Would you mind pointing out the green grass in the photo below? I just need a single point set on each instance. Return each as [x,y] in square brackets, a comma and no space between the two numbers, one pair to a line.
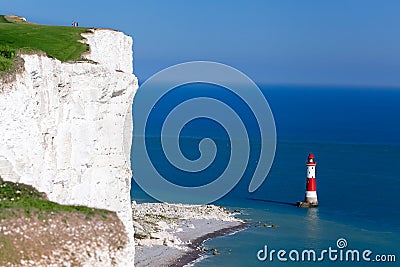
[5,63]
[18,198]
[58,42]
[3,20]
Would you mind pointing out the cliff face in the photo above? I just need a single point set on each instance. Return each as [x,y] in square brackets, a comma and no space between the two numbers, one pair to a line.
[66,128]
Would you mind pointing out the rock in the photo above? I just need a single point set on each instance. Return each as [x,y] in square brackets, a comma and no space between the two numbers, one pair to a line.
[66,128]
[305,204]
[214,251]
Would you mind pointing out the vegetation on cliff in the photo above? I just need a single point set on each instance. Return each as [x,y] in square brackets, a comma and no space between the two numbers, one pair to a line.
[58,42]
[37,232]
[18,198]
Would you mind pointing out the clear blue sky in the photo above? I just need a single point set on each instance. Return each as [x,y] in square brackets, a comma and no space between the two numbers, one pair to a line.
[346,42]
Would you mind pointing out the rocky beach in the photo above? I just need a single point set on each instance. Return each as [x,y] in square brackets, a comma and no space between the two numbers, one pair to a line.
[173,234]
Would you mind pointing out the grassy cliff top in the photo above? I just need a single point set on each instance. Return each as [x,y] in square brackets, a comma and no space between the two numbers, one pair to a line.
[60,42]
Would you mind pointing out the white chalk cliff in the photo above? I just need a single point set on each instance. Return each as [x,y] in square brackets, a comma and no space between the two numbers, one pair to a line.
[66,128]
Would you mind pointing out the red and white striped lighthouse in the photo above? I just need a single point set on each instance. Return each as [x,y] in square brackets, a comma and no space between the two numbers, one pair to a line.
[311,185]
[311,199]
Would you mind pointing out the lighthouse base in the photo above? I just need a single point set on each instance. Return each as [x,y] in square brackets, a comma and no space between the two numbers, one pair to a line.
[304,204]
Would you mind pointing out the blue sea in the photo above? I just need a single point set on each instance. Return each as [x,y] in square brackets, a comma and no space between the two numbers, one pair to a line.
[354,134]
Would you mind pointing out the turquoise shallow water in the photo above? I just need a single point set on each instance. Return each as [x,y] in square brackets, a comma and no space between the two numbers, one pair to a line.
[355,139]
[298,231]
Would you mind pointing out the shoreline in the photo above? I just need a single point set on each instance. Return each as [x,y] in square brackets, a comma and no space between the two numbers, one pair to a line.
[174,234]
[197,244]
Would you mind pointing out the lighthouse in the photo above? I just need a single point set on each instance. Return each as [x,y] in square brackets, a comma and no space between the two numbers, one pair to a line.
[311,199]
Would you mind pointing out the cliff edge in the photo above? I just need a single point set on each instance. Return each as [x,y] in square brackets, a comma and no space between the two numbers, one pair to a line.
[66,127]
